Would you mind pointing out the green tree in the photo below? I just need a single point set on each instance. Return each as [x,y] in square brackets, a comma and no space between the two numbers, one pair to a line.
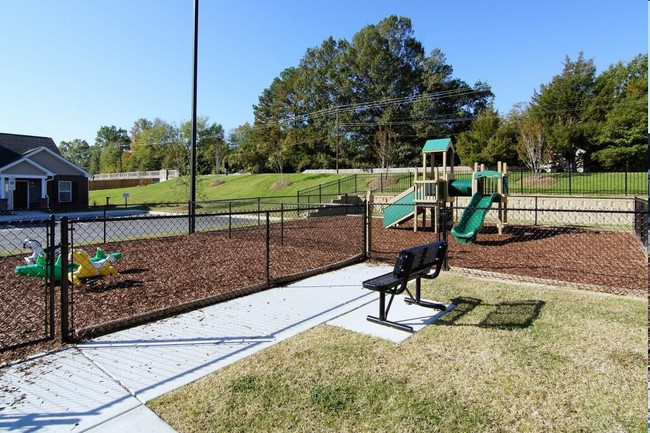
[383,62]
[95,156]
[489,140]
[446,105]
[623,129]
[112,142]
[361,103]
[77,152]
[211,146]
[245,154]
[151,144]
[279,110]
[324,88]
[561,105]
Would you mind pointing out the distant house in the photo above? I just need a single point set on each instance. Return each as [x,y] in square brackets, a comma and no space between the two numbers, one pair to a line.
[34,175]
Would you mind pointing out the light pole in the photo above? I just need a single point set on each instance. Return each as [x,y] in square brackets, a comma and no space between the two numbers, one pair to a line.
[192,206]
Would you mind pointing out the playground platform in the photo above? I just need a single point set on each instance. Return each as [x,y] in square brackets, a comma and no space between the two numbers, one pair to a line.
[103,385]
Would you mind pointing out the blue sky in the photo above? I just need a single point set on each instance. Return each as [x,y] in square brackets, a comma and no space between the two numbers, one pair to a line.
[67,67]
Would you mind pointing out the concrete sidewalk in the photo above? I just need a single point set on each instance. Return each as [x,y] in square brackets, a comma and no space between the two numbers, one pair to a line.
[102,385]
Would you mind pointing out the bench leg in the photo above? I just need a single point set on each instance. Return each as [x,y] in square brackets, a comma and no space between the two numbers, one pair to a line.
[418,301]
[383,314]
[395,325]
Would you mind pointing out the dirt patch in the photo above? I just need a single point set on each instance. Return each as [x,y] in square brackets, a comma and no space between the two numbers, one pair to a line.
[382,182]
[280,184]
[216,183]
[537,181]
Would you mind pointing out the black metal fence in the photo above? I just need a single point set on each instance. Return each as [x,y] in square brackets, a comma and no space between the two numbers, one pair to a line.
[240,247]
[161,270]
[520,181]
[356,184]
[27,305]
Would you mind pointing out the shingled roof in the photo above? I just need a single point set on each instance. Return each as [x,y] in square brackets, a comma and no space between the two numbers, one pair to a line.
[14,146]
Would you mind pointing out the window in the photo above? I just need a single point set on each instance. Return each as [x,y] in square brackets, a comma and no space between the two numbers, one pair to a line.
[65,191]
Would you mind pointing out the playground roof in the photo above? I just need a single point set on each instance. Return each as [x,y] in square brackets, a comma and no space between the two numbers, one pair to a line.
[437,145]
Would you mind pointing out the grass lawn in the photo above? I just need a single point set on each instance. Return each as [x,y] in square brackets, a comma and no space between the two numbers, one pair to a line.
[510,358]
[266,185]
[214,188]
[598,184]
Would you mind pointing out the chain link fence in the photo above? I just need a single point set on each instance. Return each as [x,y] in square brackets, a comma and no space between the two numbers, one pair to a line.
[134,269]
[583,248]
[243,246]
[27,305]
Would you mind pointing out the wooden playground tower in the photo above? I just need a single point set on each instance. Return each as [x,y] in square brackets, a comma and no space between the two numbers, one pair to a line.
[435,187]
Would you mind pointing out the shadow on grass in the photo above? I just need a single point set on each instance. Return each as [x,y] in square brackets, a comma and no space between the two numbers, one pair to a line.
[504,315]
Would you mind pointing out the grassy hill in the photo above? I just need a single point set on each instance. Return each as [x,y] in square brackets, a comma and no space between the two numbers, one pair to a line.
[287,185]
[214,188]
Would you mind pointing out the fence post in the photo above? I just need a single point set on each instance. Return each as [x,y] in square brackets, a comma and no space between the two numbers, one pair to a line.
[64,281]
[51,240]
[320,193]
[229,220]
[535,210]
[570,188]
[626,165]
[364,219]
[282,224]
[298,204]
[355,183]
[367,241]
[105,215]
[191,216]
[268,250]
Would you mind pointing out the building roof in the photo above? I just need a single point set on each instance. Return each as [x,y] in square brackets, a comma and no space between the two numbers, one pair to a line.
[14,146]
[437,145]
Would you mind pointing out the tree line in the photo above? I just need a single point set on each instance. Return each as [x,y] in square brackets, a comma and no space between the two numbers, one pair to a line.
[151,145]
[374,100]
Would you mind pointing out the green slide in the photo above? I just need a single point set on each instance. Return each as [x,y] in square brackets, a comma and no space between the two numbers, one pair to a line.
[400,209]
[472,219]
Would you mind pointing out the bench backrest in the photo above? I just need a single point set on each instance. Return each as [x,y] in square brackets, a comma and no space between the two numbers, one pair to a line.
[419,260]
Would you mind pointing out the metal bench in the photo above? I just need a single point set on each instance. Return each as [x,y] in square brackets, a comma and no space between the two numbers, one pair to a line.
[424,261]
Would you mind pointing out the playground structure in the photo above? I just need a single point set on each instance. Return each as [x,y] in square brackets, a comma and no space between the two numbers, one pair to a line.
[435,189]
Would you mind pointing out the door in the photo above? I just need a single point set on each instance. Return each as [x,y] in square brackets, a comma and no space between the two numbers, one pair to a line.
[21,195]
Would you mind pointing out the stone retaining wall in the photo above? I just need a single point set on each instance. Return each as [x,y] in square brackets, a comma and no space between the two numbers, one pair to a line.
[550,210]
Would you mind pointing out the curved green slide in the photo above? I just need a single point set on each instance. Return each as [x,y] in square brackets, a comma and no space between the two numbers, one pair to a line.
[472,219]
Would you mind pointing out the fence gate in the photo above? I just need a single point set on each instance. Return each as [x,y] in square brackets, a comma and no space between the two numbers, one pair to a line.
[26,291]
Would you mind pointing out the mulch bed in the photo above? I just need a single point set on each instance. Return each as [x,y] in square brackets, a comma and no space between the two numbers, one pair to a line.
[161,277]
[607,261]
